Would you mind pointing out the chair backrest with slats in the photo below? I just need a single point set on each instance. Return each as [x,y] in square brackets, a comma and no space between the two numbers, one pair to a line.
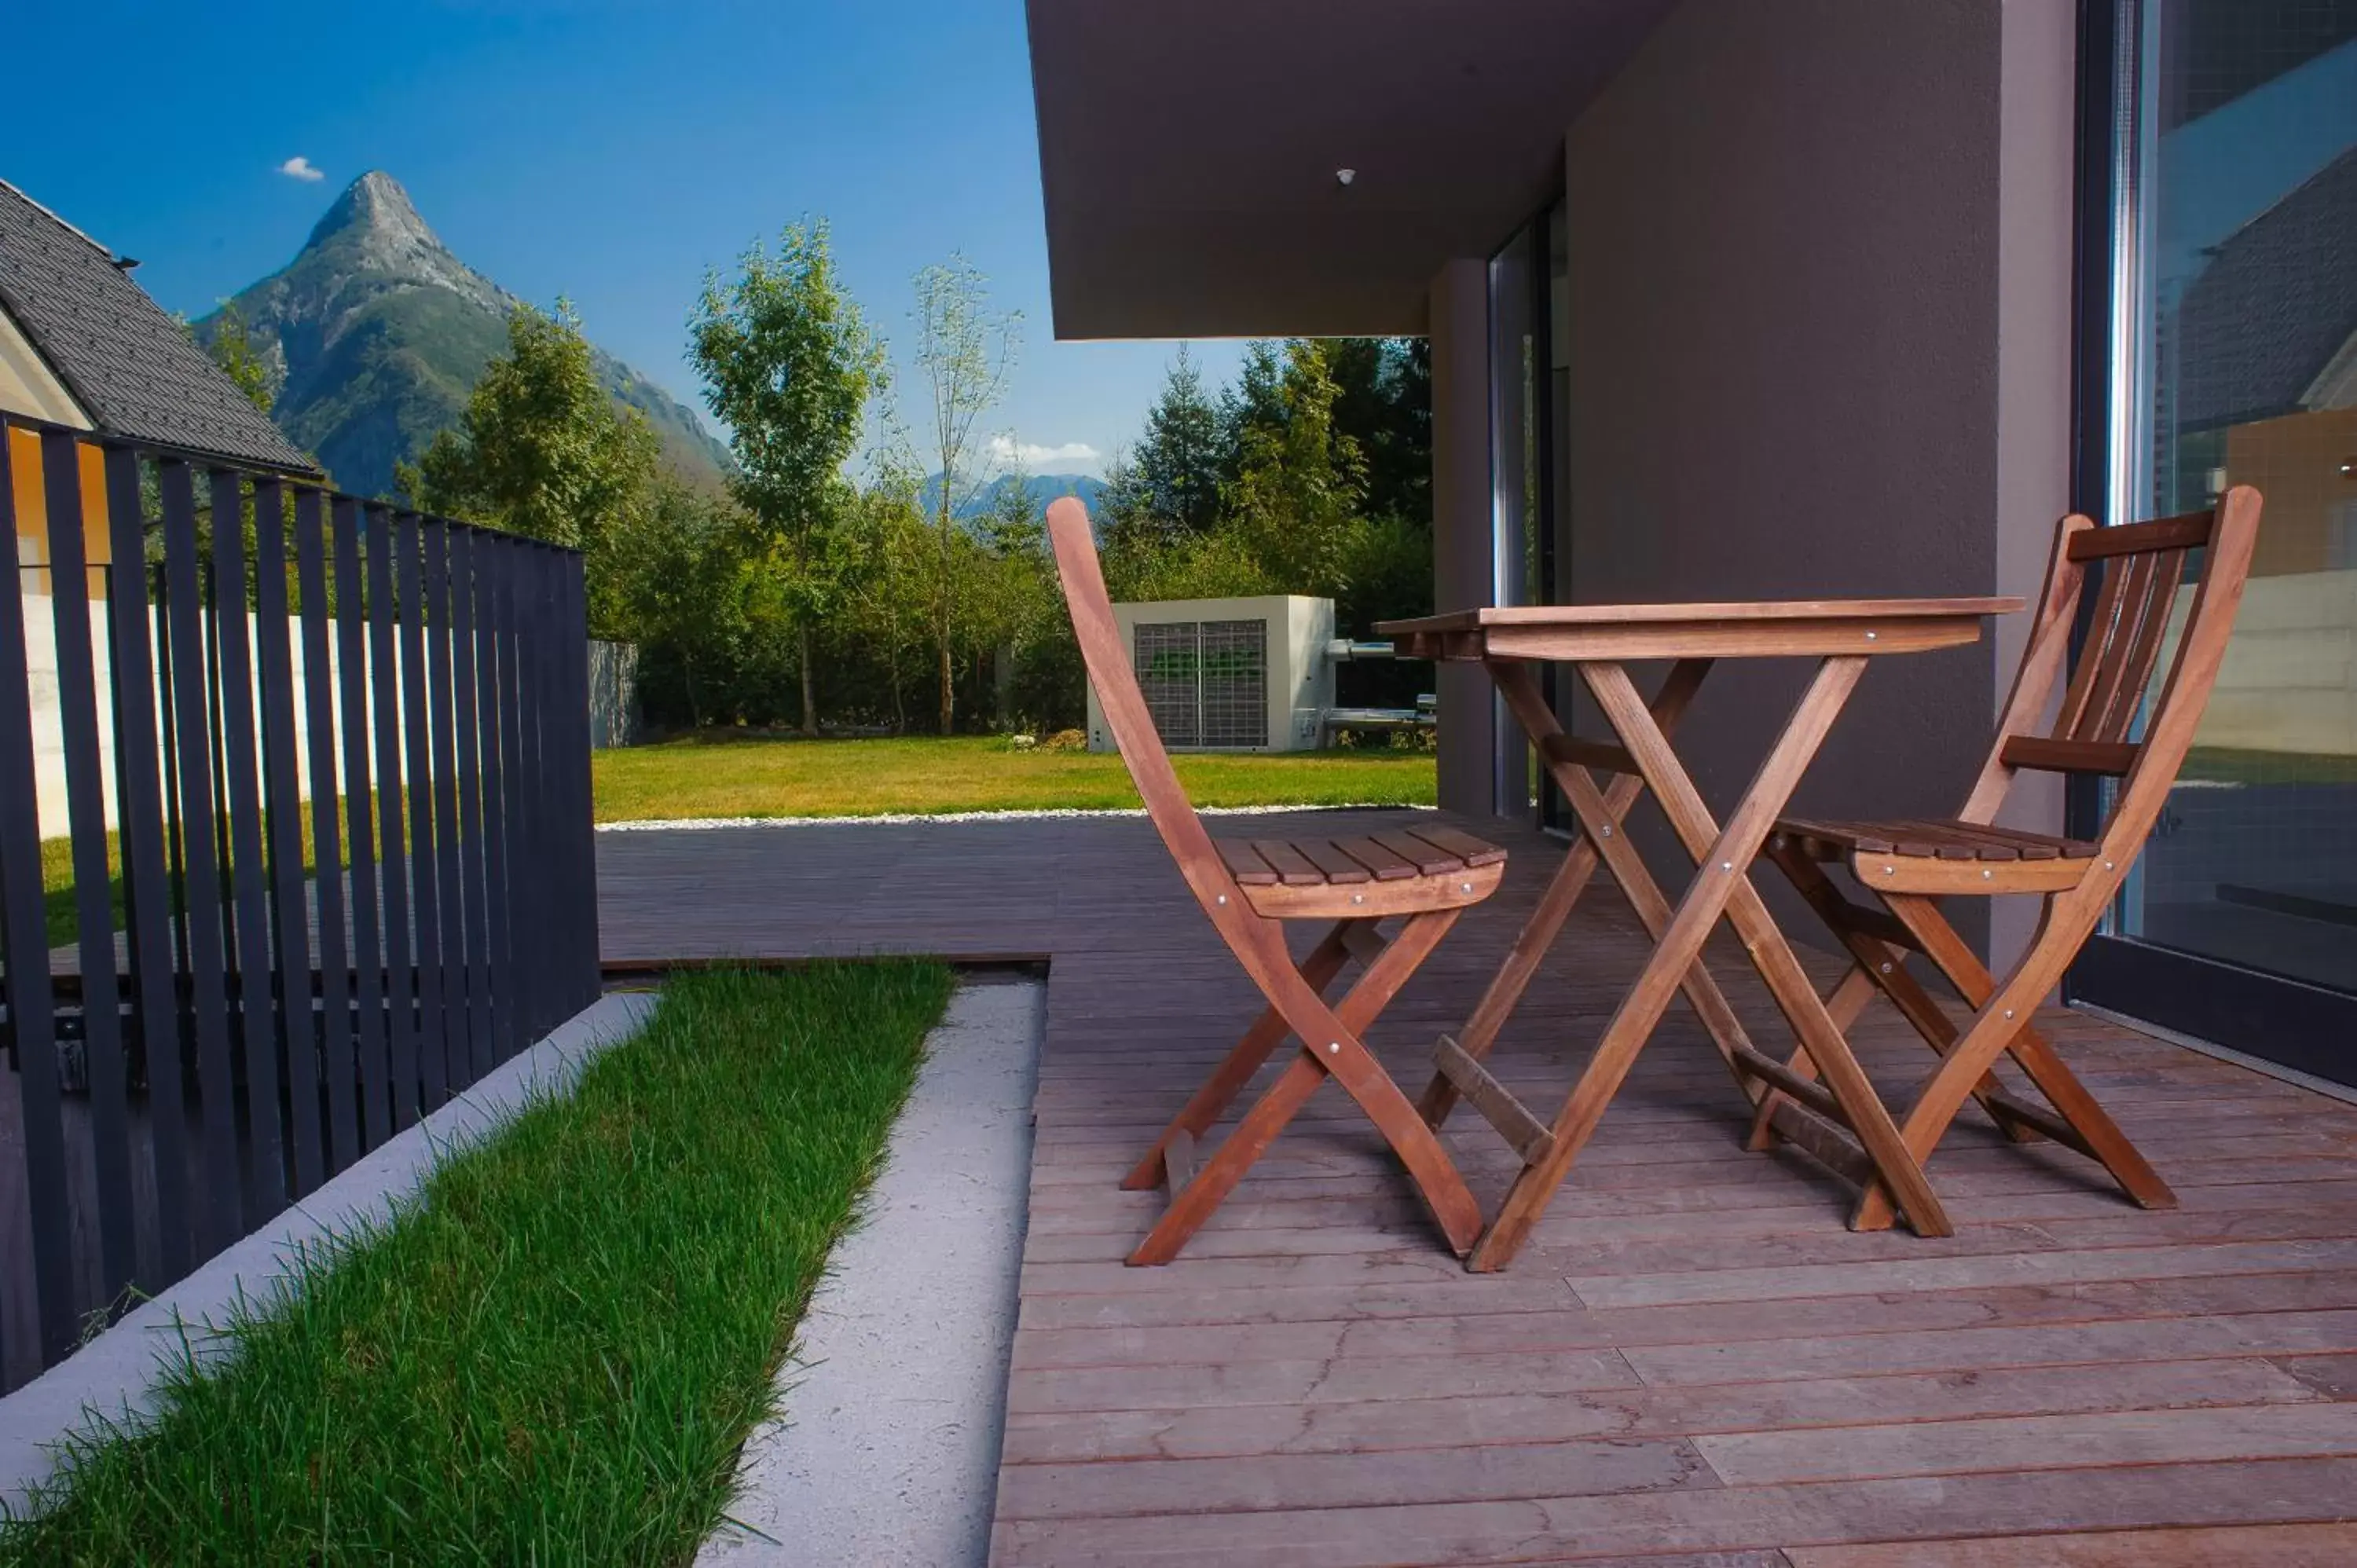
[1131,722]
[2141,573]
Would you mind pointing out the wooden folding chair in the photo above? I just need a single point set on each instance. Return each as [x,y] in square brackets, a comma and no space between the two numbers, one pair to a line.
[1429,876]
[1908,865]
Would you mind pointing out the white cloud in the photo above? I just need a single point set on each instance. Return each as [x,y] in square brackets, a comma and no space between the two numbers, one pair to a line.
[299,168]
[1006,452]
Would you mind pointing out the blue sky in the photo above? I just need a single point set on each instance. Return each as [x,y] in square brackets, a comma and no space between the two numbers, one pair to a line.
[605,149]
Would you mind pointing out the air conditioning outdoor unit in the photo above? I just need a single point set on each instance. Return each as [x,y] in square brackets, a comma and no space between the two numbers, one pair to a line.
[1249,674]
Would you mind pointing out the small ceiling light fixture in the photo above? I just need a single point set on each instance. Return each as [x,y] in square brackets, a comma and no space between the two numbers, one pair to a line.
[1345,176]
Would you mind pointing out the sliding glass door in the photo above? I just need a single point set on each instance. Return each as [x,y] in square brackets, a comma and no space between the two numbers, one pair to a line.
[2220,314]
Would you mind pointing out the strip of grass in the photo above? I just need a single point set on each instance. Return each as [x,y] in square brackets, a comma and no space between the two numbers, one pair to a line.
[713,776]
[554,1356]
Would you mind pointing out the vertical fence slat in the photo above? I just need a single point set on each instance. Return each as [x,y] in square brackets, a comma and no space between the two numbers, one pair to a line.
[102,1012]
[343,1145]
[25,946]
[434,1078]
[484,556]
[474,877]
[241,774]
[200,910]
[539,927]
[359,804]
[282,793]
[516,988]
[146,877]
[442,646]
[581,819]
[391,799]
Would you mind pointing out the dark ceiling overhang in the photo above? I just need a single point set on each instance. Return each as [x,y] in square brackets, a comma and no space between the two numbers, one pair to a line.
[1187,152]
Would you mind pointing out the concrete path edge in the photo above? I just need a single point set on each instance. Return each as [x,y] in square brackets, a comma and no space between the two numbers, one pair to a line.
[891,1406]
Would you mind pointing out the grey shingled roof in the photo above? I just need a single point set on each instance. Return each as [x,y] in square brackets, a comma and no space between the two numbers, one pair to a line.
[2274,306]
[129,365]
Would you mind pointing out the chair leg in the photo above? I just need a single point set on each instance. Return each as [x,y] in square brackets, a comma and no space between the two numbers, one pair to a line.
[1218,1176]
[1429,1166]
[1332,1043]
[2102,1139]
[2002,1025]
[1227,1080]
[1881,966]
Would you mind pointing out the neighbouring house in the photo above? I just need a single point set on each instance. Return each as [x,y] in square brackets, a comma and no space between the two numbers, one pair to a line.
[83,346]
[1820,298]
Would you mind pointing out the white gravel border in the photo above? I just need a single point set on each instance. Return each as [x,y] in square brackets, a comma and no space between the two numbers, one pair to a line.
[900,819]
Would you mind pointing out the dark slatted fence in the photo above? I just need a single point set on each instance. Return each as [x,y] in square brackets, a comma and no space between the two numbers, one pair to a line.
[322,859]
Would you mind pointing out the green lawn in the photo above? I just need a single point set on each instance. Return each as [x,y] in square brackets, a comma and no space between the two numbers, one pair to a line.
[554,1357]
[706,777]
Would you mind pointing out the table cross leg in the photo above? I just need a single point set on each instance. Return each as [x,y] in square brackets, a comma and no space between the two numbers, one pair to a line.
[1600,815]
[1853,1098]
[1721,885]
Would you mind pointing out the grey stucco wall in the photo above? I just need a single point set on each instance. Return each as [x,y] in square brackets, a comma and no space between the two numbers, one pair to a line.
[1791,309]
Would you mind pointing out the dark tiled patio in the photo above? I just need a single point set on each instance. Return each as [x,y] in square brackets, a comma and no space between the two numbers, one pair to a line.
[1693,1362]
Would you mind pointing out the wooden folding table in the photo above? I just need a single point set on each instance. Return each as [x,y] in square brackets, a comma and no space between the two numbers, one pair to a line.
[1600,640]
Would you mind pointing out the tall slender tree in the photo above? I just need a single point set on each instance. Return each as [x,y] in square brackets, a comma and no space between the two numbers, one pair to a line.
[788,365]
[965,350]
[1175,464]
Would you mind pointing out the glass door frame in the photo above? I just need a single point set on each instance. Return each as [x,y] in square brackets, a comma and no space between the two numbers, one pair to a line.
[2264,1015]
[1526,540]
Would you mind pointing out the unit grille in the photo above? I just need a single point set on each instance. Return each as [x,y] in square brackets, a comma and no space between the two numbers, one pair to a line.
[1235,682]
[1205,683]
[1168,674]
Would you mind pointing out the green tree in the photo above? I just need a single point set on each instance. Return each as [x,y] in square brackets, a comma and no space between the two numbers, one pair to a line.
[1175,466]
[1299,498]
[1255,403]
[891,594]
[229,343]
[788,364]
[676,572]
[1383,402]
[963,351]
[542,449]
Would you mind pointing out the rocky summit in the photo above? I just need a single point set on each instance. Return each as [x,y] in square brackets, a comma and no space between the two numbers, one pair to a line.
[377,332]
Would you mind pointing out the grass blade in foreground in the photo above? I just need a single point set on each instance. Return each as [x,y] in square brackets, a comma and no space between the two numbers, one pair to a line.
[556,1356]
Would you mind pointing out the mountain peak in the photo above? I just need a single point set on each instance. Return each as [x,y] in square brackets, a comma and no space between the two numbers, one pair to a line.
[379,331]
[376,207]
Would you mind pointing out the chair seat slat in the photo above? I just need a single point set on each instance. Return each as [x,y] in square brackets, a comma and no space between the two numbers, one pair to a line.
[1293,868]
[1428,859]
[1333,860]
[1469,850]
[1387,864]
[1244,864]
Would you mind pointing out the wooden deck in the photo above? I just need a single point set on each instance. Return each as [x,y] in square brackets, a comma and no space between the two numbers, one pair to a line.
[1693,1363]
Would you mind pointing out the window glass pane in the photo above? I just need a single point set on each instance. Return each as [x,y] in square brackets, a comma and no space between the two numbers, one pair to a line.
[2246,157]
